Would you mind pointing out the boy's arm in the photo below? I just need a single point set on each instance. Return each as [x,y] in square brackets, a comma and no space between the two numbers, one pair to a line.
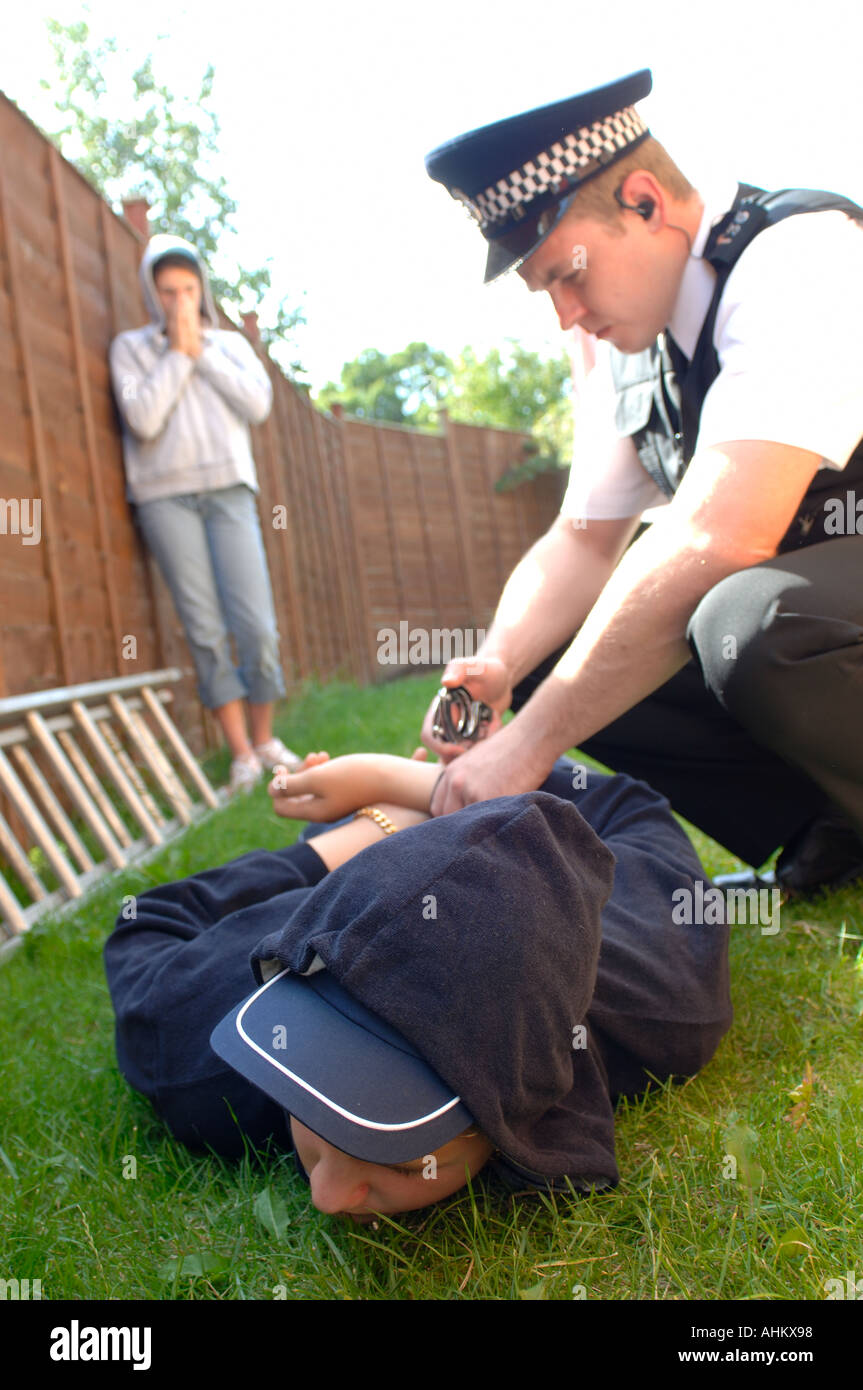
[336,846]
[182,931]
[194,904]
[336,788]
[146,401]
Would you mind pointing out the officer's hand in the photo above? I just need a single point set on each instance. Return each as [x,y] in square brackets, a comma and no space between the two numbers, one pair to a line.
[487,679]
[501,766]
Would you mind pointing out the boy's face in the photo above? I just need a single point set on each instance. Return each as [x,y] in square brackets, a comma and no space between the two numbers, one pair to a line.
[346,1186]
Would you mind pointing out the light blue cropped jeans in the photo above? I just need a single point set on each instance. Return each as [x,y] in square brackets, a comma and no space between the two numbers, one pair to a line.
[209,548]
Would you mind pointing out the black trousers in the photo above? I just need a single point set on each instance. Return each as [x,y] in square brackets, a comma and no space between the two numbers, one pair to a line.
[763,729]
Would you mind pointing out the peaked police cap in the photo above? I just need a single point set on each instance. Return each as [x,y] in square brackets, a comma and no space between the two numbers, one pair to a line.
[518,176]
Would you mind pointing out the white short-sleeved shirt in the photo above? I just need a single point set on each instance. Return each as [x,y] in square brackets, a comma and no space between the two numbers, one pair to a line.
[789,340]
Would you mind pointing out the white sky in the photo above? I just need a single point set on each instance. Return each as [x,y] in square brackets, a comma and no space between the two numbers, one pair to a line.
[328,108]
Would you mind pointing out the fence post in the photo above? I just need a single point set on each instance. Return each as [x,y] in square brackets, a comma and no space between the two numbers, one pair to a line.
[50,530]
[86,404]
[462,529]
[137,213]
[366,668]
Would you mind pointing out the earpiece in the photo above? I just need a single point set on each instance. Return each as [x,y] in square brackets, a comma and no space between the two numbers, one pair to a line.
[644,209]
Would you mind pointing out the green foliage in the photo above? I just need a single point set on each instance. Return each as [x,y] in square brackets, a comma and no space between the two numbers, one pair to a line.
[404,388]
[271,1211]
[164,149]
[516,390]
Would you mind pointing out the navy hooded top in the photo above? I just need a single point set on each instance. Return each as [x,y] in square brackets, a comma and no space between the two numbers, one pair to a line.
[550,980]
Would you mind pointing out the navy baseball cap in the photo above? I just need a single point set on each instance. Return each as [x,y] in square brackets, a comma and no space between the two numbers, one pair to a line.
[518,176]
[340,1069]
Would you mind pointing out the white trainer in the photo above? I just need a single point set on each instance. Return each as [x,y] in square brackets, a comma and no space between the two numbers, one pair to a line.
[274,754]
[245,774]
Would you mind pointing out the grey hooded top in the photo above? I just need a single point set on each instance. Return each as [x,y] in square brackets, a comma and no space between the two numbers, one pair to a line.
[186,420]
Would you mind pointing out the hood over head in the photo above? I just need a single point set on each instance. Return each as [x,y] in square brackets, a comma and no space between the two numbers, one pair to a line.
[476,935]
[163,244]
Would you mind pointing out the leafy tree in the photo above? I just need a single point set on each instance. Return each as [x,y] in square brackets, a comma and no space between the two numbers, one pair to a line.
[162,149]
[519,390]
[405,388]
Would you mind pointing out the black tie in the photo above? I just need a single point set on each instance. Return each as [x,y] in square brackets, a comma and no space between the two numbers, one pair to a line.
[680,365]
[679,360]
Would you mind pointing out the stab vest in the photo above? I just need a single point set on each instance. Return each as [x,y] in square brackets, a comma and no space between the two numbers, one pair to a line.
[659,395]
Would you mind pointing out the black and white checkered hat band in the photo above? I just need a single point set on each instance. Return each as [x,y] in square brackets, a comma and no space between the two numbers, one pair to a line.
[568,161]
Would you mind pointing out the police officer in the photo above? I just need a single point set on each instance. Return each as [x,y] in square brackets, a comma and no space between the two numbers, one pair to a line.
[719,655]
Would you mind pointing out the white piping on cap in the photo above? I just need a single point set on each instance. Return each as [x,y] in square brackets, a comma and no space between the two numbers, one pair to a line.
[304,1085]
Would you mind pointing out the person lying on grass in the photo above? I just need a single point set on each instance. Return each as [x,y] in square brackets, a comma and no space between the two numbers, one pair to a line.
[407,1000]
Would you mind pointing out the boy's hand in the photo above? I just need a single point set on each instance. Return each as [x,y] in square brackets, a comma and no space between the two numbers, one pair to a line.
[282,785]
[323,790]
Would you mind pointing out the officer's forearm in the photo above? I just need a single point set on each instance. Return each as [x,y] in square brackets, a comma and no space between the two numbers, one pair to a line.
[631,642]
[552,589]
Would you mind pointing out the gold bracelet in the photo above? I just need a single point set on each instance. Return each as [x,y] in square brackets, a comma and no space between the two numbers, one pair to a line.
[378,817]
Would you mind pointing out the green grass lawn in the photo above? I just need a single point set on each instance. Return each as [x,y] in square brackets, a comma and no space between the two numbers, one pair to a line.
[97,1202]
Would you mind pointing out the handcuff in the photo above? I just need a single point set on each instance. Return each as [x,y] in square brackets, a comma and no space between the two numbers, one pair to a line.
[457,717]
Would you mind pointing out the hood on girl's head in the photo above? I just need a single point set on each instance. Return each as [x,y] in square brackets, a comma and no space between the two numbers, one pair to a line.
[164,244]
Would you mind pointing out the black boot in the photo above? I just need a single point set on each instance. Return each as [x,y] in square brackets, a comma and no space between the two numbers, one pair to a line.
[824,854]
